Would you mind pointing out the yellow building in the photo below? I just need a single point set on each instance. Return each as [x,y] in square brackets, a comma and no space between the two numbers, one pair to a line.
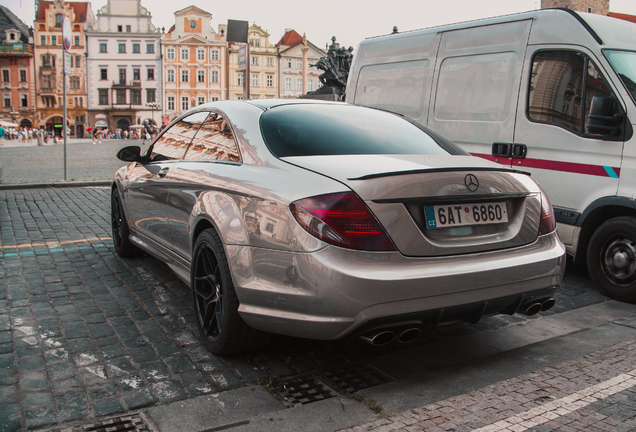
[194,62]
[262,71]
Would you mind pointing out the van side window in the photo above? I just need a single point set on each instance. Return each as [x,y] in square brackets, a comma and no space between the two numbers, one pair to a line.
[561,88]
[214,141]
[173,143]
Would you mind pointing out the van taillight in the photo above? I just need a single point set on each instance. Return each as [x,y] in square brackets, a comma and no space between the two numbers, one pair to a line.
[548,221]
[343,220]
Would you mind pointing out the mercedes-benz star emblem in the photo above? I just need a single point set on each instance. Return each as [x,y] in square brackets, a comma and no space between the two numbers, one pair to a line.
[471,182]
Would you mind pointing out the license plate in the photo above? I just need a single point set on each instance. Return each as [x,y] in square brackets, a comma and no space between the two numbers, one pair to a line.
[445,216]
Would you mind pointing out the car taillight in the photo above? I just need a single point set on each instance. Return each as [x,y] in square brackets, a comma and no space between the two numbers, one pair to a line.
[548,221]
[343,220]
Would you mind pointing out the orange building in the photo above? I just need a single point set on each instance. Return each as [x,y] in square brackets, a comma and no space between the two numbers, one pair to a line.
[194,62]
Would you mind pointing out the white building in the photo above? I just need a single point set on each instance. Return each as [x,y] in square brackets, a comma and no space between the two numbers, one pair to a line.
[124,73]
[296,54]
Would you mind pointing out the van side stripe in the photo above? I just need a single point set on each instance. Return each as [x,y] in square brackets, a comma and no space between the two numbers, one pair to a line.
[596,170]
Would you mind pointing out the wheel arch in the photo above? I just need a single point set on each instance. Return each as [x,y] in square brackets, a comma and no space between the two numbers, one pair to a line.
[199,226]
[597,213]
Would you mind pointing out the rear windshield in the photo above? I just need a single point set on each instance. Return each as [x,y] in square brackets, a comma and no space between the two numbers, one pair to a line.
[332,129]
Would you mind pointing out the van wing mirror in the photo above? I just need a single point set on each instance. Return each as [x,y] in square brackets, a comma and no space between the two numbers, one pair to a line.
[603,118]
[129,154]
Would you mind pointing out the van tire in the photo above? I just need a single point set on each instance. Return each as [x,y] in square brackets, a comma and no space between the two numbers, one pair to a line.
[611,258]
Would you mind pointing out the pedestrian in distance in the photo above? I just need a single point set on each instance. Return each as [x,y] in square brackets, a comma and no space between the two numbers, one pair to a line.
[98,136]
[1,135]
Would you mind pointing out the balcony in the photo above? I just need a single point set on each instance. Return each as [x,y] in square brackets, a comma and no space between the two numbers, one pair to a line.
[17,49]
[136,84]
[121,84]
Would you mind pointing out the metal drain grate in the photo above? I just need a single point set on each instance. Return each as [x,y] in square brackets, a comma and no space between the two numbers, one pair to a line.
[118,424]
[303,389]
[351,378]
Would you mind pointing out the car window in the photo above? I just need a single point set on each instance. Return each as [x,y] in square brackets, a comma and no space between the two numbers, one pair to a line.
[561,88]
[329,129]
[173,143]
[214,141]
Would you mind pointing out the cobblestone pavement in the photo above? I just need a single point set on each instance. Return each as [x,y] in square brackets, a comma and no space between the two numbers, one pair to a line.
[40,164]
[85,334]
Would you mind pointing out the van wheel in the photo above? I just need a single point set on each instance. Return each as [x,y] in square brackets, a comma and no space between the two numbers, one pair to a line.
[123,246]
[611,258]
[220,326]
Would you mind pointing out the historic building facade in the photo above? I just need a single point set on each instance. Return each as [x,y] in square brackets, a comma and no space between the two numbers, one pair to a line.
[123,68]
[296,57]
[49,65]
[17,69]
[263,68]
[194,62]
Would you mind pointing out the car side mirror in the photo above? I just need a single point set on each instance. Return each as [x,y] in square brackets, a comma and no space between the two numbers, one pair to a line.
[129,154]
[603,118]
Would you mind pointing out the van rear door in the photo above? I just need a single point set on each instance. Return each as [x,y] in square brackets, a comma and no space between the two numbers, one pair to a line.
[477,78]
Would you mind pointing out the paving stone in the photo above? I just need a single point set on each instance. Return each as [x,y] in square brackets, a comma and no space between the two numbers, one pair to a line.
[30,364]
[7,376]
[102,392]
[226,380]
[73,406]
[107,407]
[7,361]
[33,381]
[95,374]
[69,385]
[56,356]
[28,352]
[61,371]
[10,418]
[38,399]
[131,383]
[178,363]
[168,391]
[139,398]
[155,372]
[121,366]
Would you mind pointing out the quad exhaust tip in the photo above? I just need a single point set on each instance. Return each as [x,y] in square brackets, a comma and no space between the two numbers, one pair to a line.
[385,337]
[534,308]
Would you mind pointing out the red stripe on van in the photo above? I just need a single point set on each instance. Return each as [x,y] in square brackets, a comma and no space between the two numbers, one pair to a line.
[596,170]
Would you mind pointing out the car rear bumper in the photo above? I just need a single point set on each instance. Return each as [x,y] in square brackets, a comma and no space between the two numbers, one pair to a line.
[335,292]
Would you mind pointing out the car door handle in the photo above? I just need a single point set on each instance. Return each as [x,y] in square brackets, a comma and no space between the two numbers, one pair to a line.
[501,149]
[163,172]
[519,151]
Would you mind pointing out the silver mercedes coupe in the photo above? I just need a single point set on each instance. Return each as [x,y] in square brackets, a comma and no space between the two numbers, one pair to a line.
[327,221]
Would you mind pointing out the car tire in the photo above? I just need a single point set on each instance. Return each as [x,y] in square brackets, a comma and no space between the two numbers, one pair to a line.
[220,326]
[611,258]
[121,235]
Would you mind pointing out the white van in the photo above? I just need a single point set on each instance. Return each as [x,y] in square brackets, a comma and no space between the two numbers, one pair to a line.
[551,92]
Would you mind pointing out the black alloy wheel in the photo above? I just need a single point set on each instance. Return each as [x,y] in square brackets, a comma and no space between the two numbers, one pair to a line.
[123,246]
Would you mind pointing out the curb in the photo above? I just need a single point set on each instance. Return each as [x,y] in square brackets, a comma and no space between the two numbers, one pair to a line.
[60,184]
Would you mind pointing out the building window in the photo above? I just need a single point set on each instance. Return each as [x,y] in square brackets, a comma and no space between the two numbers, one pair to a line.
[239,80]
[214,54]
[185,54]
[170,53]
[150,95]
[81,102]
[103,97]
[151,74]
[150,48]
[255,80]
[5,75]
[24,101]
[270,62]
[59,20]
[78,61]
[288,84]
[122,47]
[53,40]
[215,99]
[74,82]
[122,76]
[136,48]
[102,47]
[170,75]
[255,61]
[310,84]
[270,80]
[299,84]
[170,103]
[23,75]
[42,40]
[288,63]
[299,64]
[214,76]
[76,40]
[46,81]
[201,100]
[121,96]
[255,42]
[120,28]
[200,54]
[128,28]
[7,101]
[136,97]
[185,75]
[201,76]
[184,103]
[136,74]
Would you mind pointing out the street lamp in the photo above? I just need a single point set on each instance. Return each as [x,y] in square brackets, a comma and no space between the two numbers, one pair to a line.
[153,106]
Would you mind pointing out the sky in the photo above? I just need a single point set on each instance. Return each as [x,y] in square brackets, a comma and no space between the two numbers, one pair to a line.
[350,21]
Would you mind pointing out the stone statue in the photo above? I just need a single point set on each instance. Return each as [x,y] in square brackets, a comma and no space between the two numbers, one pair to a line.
[336,72]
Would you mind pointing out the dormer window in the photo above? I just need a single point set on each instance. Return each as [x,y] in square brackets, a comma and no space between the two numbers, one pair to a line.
[59,19]
[11,36]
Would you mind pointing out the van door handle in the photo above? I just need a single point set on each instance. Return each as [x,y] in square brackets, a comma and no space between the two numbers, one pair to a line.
[501,149]
[163,172]
[519,151]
